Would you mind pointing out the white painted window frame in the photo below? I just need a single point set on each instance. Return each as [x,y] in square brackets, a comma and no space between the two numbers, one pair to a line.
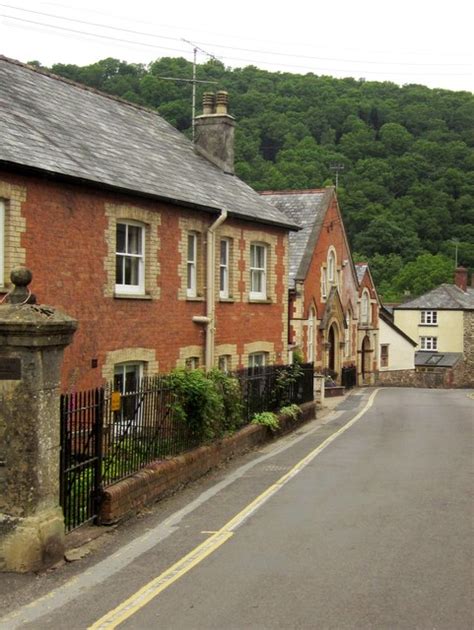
[191,264]
[133,289]
[258,272]
[192,363]
[258,359]
[429,344]
[224,268]
[121,423]
[224,362]
[429,318]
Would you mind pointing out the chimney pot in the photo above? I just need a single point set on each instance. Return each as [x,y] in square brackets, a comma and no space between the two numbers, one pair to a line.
[208,103]
[222,102]
[460,278]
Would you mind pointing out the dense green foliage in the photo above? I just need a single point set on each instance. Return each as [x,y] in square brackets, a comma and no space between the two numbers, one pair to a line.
[407,188]
[267,419]
[209,404]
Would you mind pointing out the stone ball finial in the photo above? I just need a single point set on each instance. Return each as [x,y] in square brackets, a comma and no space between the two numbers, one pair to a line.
[21,278]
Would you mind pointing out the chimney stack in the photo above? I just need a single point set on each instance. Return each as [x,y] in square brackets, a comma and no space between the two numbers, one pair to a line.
[214,131]
[460,278]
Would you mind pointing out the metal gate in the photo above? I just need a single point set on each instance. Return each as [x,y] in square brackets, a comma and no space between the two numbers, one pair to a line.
[81,456]
[106,437]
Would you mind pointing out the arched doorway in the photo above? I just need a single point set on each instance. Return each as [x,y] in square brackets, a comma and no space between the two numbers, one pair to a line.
[332,346]
[365,367]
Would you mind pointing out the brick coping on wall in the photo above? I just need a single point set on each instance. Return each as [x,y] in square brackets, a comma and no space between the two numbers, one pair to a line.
[162,478]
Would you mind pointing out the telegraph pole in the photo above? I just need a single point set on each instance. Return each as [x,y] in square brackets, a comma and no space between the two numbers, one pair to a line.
[455,242]
[337,168]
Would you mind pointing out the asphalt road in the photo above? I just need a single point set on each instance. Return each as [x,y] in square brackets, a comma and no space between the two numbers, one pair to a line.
[371,530]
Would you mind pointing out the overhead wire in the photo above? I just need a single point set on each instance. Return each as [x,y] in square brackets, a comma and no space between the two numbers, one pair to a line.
[224,46]
[239,59]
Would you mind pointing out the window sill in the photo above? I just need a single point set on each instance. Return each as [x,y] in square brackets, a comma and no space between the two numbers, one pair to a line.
[195,298]
[227,299]
[132,296]
[427,325]
[260,301]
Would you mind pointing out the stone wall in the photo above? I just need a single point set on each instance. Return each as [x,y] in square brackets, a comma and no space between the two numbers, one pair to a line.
[437,378]
[464,371]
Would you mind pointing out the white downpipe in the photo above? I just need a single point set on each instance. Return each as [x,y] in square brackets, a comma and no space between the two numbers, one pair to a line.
[211,289]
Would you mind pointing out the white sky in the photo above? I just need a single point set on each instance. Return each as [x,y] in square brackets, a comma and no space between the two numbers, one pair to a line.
[419,41]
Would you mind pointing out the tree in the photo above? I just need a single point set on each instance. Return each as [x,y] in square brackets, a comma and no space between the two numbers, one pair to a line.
[423,274]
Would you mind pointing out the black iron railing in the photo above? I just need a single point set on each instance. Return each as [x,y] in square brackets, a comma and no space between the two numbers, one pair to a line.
[107,437]
[271,387]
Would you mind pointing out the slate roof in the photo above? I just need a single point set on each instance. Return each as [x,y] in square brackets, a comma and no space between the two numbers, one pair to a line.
[444,297]
[436,359]
[307,209]
[60,127]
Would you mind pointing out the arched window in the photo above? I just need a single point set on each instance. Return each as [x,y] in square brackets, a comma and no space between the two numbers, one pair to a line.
[348,334]
[365,308]
[310,339]
[331,267]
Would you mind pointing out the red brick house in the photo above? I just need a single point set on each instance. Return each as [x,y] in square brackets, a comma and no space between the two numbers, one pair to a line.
[163,255]
[333,305]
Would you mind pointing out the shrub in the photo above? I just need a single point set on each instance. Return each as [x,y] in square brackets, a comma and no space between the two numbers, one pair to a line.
[229,389]
[298,356]
[210,404]
[287,378]
[266,419]
[292,411]
[197,402]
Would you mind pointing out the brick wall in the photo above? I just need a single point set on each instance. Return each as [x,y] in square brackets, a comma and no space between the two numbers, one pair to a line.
[65,234]
[162,478]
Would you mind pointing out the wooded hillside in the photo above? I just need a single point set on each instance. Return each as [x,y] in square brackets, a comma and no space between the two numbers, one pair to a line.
[407,188]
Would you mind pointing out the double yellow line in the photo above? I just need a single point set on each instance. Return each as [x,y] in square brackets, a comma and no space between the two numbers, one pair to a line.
[156,586]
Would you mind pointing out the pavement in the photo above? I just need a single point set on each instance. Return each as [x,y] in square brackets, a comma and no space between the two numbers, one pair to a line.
[90,546]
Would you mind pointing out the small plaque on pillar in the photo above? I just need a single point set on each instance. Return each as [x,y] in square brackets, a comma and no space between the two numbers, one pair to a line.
[10,369]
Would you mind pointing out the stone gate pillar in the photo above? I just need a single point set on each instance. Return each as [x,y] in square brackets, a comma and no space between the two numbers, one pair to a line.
[32,341]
